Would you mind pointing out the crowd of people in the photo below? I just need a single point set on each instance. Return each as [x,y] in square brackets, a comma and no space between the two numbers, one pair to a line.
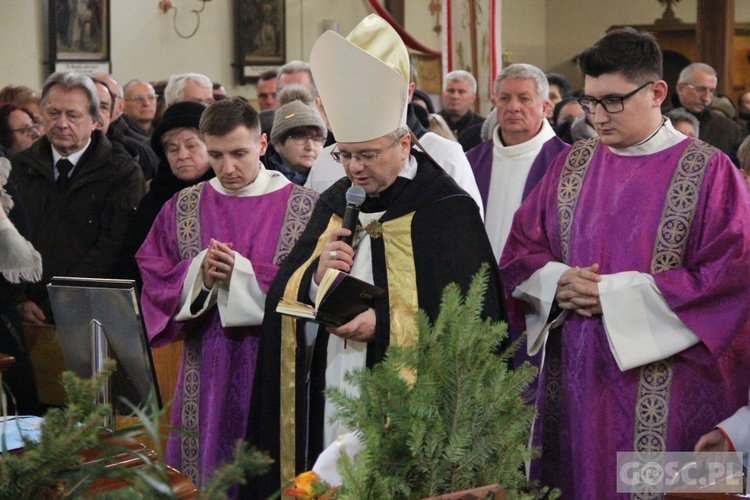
[616,227]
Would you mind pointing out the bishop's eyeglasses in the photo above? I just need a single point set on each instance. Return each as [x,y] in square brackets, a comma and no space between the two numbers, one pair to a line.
[364,157]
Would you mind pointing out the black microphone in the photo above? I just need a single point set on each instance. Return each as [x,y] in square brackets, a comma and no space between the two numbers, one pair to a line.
[355,196]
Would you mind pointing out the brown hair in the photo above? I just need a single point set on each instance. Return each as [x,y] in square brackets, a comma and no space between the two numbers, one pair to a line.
[222,117]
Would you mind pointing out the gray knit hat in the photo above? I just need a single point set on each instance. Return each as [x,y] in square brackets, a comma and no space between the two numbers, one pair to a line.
[293,115]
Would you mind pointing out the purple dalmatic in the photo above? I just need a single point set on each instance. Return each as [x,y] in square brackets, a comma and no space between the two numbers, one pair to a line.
[212,396]
[588,408]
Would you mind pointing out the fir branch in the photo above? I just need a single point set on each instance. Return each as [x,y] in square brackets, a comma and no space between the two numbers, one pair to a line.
[460,424]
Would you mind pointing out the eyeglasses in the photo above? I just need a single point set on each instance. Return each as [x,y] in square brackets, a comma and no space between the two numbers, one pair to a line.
[301,140]
[701,90]
[346,157]
[611,104]
[28,129]
[140,99]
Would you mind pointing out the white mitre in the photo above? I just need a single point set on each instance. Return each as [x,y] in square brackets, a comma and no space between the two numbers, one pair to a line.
[363,80]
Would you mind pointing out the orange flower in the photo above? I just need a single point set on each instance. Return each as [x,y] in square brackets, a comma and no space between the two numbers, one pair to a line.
[303,486]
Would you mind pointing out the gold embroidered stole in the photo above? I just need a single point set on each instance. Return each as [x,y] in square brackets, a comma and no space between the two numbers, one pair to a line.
[678,212]
[189,242]
[403,307]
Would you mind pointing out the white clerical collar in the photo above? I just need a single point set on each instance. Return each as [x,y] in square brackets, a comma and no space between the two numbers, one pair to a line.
[74,158]
[664,137]
[267,181]
[532,145]
[409,170]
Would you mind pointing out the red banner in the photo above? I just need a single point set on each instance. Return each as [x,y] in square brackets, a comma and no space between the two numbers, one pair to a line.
[406,37]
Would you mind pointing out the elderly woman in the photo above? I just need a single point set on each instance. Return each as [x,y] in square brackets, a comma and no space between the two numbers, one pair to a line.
[17,128]
[685,122]
[178,143]
[298,135]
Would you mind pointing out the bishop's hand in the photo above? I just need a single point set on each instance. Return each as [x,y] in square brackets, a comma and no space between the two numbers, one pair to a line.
[335,254]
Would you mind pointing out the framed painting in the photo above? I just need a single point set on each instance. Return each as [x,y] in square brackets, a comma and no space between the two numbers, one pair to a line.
[79,35]
[260,37]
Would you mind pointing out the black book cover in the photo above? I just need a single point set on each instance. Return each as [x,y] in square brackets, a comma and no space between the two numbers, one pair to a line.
[341,297]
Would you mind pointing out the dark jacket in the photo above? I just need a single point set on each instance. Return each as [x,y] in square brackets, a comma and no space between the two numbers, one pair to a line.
[469,119]
[134,146]
[273,161]
[78,232]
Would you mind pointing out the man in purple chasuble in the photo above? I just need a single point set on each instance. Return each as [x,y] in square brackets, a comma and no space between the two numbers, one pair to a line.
[632,277]
[207,264]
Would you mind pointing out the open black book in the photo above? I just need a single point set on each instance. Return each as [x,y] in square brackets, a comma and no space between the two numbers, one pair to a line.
[340,298]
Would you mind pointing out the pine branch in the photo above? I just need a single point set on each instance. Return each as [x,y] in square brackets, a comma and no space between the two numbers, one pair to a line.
[460,424]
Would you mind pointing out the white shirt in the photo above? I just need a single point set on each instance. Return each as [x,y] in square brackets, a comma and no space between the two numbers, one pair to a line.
[73,159]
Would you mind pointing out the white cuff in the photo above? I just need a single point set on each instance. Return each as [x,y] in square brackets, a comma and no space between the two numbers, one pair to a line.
[539,292]
[737,427]
[19,261]
[640,326]
[313,293]
[243,303]
[192,287]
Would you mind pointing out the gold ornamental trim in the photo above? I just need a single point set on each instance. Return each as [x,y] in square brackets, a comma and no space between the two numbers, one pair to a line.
[189,244]
[188,221]
[569,189]
[655,379]
[299,208]
[402,276]
[288,368]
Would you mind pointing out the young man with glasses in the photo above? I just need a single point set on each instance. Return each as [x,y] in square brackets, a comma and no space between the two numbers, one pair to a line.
[420,232]
[696,87]
[628,270]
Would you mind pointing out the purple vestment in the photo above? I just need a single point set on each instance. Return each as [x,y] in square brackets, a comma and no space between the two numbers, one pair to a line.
[480,159]
[588,407]
[216,375]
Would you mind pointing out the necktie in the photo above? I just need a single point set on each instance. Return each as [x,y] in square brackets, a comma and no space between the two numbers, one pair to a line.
[63,168]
